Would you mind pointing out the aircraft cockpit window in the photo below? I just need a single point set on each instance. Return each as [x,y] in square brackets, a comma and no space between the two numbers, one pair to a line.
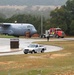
[29,27]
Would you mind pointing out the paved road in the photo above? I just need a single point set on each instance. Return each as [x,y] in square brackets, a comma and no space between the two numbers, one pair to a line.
[5,45]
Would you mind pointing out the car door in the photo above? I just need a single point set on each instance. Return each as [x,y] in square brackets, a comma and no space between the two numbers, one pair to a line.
[40,47]
[37,49]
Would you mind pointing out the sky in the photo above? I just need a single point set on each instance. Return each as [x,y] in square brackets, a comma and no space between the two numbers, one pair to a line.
[32,2]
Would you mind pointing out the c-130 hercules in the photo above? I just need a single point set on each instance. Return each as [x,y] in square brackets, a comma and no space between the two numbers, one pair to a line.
[17,29]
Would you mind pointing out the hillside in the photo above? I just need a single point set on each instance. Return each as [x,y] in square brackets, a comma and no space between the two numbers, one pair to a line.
[35,10]
[11,7]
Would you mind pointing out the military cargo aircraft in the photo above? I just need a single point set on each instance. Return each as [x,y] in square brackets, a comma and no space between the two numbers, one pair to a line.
[17,29]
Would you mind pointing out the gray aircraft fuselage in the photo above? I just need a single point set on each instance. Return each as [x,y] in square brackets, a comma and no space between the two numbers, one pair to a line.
[17,29]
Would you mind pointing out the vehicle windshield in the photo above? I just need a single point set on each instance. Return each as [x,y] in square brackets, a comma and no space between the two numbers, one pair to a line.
[58,29]
[32,45]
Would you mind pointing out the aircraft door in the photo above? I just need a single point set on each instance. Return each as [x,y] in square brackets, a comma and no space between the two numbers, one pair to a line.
[28,31]
[28,28]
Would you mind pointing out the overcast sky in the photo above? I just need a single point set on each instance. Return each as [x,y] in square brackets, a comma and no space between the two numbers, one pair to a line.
[32,2]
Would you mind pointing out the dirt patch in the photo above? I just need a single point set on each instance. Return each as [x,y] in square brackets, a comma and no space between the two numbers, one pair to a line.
[35,57]
[59,55]
[6,63]
[65,73]
[49,56]
[56,55]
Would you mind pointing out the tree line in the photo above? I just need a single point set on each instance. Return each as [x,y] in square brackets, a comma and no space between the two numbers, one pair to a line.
[62,17]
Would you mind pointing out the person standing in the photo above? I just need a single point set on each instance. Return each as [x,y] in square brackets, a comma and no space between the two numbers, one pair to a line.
[48,37]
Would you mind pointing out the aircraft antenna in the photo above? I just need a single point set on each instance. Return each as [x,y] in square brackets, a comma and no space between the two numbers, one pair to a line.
[15,21]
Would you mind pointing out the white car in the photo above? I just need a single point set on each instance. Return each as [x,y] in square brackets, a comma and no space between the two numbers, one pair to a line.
[34,48]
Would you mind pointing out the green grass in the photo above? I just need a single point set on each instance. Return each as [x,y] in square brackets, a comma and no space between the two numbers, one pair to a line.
[52,63]
[5,36]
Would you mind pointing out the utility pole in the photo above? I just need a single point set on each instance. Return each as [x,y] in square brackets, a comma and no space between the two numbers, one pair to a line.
[41,23]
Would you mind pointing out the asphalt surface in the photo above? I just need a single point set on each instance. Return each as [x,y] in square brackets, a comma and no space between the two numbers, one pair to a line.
[5,45]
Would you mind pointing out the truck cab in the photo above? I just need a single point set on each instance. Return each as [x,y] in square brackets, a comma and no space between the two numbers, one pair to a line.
[56,32]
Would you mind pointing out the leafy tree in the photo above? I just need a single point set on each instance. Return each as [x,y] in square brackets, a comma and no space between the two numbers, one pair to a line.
[2,18]
[58,18]
[63,16]
[72,28]
[70,17]
[2,15]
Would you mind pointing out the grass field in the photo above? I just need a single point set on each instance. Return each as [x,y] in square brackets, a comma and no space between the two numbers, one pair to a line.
[52,63]
[5,36]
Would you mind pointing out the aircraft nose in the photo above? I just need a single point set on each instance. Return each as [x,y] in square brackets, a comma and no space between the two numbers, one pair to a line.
[34,31]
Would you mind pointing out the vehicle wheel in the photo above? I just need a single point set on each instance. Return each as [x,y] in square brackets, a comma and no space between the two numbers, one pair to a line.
[25,53]
[57,36]
[42,51]
[62,37]
[33,51]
